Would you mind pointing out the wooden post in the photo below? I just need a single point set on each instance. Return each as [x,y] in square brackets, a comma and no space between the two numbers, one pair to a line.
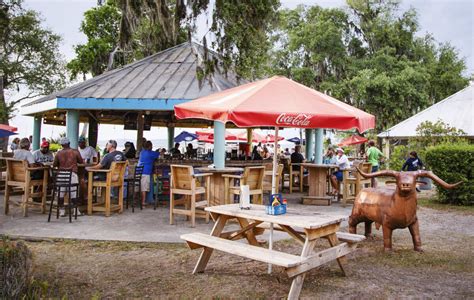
[140,122]
[318,146]
[219,145]
[93,132]
[309,150]
[72,127]
[36,132]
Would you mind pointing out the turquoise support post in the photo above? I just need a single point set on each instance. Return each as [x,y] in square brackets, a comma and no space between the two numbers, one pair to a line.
[36,132]
[219,145]
[170,137]
[72,127]
[318,146]
[309,134]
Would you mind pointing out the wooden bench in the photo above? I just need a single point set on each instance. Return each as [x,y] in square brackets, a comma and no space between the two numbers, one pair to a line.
[341,236]
[198,240]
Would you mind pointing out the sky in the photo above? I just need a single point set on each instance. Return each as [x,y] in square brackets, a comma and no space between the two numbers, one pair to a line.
[447,20]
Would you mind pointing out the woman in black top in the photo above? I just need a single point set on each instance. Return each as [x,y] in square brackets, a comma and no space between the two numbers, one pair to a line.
[413,163]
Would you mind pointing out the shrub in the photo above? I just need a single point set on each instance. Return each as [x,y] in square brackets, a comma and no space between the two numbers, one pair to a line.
[397,157]
[15,268]
[55,147]
[453,163]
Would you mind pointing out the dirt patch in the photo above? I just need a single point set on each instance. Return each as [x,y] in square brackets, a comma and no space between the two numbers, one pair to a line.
[87,269]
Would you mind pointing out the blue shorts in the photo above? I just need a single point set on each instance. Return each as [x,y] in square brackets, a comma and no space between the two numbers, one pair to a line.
[375,169]
[338,175]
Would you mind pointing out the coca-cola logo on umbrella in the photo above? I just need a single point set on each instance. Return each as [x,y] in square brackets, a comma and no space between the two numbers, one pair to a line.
[293,119]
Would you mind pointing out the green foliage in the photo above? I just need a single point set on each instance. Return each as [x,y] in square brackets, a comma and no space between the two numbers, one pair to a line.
[371,57]
[431,134]
[54,147]
[453,163]
[101,26]
[29,56]
[398,156]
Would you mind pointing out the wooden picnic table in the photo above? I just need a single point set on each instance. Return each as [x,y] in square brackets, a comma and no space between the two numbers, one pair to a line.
[304,226]
[317,179]
[216,186]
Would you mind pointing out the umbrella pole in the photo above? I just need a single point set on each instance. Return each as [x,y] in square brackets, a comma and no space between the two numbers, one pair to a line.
[274,191]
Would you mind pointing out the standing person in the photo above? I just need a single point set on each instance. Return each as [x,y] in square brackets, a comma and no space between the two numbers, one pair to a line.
[266,153]
[67,159]
[147,159]
[255,154]
[112,155]
[88,153]
[15,144]
[373,156]
[43,155]
[342,163]
[413,163]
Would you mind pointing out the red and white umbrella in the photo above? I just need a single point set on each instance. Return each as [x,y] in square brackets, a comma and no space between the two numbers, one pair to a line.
[276,102]
[353,140]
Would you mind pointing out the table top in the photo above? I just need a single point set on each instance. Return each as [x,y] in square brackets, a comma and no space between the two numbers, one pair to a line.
[292,218]
[225,170]
[311,165]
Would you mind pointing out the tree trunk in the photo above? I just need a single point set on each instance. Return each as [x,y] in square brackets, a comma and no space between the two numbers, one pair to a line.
[3,115]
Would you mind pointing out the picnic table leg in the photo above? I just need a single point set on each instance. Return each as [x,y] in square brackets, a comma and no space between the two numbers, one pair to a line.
[297,283]
[207,252]
[249,234]
[333,241]
[89,193]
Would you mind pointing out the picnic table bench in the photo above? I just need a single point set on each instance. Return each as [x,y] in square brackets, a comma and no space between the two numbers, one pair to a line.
[305,227]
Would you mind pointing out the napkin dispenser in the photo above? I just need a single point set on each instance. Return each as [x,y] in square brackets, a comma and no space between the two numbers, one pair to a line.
[244,202]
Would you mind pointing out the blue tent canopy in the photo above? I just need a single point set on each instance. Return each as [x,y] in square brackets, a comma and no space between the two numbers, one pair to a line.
[185,137]
[295,140]
[5,133]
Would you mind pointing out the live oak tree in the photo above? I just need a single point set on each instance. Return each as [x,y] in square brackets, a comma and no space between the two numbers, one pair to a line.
[368,56]
[239,27]
[30,62]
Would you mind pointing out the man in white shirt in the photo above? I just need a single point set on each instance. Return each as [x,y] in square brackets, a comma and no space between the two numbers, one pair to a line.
[43,155]
[342,163]
[88,153]
[23,153]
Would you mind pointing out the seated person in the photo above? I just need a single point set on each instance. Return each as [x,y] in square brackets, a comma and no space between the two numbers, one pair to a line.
[190,150]
[175,151]
[147,159]
[88,153]
[43,155]
[342,163]
[297,158]
[329,157]
[255,154]
[130,151]
[112,155]
[23,153]
[67,159]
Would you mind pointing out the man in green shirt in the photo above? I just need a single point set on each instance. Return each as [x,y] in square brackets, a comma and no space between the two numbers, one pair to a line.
[373,156]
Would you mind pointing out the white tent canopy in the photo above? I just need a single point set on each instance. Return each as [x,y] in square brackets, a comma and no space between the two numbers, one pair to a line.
[456,110]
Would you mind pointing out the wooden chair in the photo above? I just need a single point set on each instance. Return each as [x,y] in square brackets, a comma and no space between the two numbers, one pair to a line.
[253,177]
[3,168]
[267,179]
[184,182]
[114,178]
[19,176]
[352,182]
[290,175]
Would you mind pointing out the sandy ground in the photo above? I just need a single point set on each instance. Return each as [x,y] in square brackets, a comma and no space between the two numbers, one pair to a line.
[86,269]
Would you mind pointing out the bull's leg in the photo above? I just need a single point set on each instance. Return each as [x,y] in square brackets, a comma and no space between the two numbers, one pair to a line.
[368,229]
[353,224]
[387,238]
[415,235]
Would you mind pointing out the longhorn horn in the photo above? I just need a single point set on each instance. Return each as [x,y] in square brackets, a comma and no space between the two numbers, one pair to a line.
[440,181]
[377,174]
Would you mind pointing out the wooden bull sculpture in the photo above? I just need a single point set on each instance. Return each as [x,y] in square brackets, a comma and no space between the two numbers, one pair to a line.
[391,207]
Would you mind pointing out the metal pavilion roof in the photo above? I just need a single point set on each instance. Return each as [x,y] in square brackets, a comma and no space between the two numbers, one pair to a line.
[456,110]
[156,82]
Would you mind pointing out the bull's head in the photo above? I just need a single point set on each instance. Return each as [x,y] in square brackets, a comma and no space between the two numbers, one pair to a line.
[406,181]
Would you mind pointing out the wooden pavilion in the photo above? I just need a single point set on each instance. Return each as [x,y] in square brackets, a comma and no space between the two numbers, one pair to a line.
[138,95]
